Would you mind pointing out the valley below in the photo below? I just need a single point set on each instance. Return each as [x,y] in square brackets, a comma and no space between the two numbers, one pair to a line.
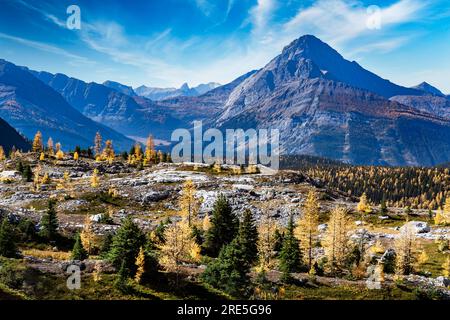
[98,198]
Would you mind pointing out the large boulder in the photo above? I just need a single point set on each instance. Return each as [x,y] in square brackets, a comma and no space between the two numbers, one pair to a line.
[416,227]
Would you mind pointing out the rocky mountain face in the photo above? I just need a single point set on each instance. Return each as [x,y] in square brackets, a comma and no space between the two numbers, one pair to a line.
[120,87]
[428,88]
[29,105]
[157,94]
[326,106]
[435,104]
[10,138]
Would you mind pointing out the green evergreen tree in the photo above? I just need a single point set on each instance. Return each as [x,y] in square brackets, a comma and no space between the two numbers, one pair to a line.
[278,240]
[49,223]
[8,246]
[125,246]
[27,173]
[224,227]
[383,207]
[19,167]
[248,238]
[106,245]
[121,282]
[197,234]
[78,251]
[290,254]
[229,272]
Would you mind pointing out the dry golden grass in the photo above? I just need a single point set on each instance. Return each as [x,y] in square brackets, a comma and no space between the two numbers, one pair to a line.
[46,254]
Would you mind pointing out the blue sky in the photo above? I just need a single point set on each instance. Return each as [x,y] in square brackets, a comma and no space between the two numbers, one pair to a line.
[169,42]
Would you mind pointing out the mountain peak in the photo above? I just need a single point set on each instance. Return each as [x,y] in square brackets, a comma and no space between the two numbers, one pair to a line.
[426,87]
[185,86]
[311,47]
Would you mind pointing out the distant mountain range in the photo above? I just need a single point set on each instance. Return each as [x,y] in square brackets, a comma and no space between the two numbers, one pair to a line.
[29,105]
[322,104]
[158,94]
[10,138]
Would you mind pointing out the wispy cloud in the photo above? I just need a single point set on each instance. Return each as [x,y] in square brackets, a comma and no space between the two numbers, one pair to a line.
[45,47]
[45,14]
[167,60]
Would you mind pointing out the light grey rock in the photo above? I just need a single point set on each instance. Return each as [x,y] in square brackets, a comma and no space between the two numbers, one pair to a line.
[416,227]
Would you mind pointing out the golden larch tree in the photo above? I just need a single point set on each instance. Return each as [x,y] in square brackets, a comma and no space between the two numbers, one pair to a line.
[406,250]
[150,150]
[265,245]
[97,144]
[95,180]
[189,205]
[363,205]
[446,267]
[180,246]
[58,147]
[337,238]
[37,142]
[59,155]
[2,154]
[140,264]
[50,147]
[108,152]
[306,230]
[87,235]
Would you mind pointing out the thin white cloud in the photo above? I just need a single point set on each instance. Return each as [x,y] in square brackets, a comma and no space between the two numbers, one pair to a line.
[45,47]
[162,57]
[46,15]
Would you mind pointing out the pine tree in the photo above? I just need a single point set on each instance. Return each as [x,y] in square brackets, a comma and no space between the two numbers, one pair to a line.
[37,142]
[49,223]
[248,238]
[306,230]
[2,154]
[290,255]
[108,152]
[150,150]
[27,173]
[229,272]
[140,265]
[59,155]
[383,207]
[105,246]
[50,149]
[179,246]
[87,235]
[78,251]
[8,246]
[337,240]
[405,248]
[224,227]
[126,244]
[95,180]
[188,203]
[446,267]
[121,282]
[363,205]
[97,144]
[266,237]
